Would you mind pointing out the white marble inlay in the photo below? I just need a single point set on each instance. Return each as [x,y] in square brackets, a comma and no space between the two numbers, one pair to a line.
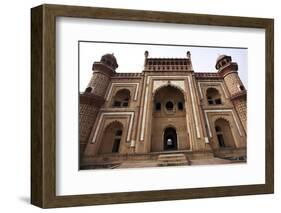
[178,83]
[144,111]
[145,99]
[212,84]
[193,107]
[207,140]
[131,114]
[120,84]
[220,110]
[159,83]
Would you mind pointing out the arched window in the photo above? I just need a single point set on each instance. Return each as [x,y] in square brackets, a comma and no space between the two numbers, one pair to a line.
[213,96]
[169,105]
[158,106]
[180,106]
[241,87]
[121,98]
[88,89]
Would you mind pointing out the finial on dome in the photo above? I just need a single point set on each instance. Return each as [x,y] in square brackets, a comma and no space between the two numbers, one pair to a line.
[146,53]
[109,60]
[188,54]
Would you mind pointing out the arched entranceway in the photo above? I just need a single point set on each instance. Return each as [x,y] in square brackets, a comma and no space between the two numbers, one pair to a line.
[169,118]
[112,138]
[170,139]
[224,134]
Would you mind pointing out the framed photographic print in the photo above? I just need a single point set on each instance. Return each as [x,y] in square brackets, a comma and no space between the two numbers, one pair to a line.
[137,106]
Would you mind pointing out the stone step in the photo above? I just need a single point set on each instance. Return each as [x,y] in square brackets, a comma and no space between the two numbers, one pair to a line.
[171,155]
[168,158]
[232,154]
[172,164]
[172,160]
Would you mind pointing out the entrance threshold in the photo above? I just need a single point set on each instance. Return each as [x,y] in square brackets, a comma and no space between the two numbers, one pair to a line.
[172,151]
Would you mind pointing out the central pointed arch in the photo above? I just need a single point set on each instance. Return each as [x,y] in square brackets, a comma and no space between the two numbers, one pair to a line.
[169,122]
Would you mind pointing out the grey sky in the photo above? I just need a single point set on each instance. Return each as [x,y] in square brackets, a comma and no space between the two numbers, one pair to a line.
[130,57]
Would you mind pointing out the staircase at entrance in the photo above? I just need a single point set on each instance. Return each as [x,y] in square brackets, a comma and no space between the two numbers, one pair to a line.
[175,159]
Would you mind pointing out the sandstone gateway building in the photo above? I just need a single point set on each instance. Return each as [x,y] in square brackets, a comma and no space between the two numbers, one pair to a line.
[166,115]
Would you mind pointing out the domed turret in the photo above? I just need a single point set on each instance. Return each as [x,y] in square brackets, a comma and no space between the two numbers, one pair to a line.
[94,96]
[228,70]
[109,60]
[222,60]
[103,70]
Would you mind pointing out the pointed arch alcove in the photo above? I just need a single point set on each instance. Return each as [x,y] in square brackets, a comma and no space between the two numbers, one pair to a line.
[224,135]
[169,123]
[111,138]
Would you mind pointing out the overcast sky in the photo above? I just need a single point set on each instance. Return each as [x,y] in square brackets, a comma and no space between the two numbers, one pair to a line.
[130,57]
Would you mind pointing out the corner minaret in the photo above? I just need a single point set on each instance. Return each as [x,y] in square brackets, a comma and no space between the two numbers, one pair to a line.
[102,72]
[229,71]
[94,96]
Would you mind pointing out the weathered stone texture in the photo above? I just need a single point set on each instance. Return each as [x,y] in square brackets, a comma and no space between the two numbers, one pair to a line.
[166,108]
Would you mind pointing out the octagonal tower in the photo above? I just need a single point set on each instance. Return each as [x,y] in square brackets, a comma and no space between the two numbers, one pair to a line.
[229,71]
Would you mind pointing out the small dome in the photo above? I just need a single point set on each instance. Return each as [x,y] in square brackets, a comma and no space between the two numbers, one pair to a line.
[221,57]
[226,58]
[109,60]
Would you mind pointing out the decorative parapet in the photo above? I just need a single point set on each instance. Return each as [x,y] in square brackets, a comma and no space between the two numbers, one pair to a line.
[207,75]
[168,64]
[127,75]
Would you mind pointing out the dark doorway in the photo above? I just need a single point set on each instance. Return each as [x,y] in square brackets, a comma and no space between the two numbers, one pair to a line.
[224,134]
[170,139]
[117,140]
[112,138]
[220,136]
